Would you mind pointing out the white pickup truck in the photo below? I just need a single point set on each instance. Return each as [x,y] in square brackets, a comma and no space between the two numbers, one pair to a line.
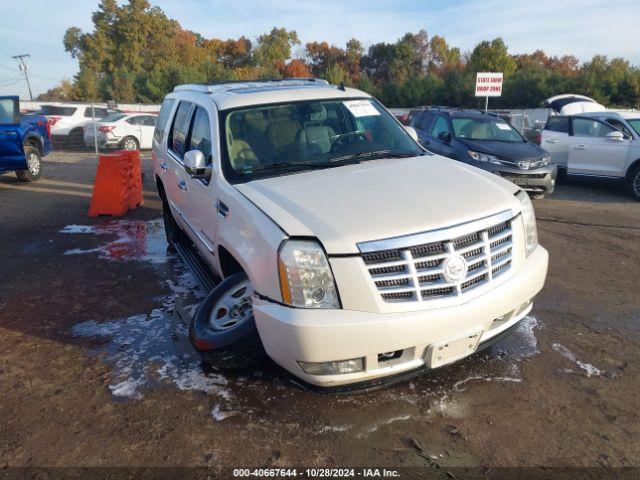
[349,254]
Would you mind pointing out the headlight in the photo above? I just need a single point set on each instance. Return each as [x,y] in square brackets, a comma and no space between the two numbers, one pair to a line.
[305,276]
[529,220]
[546,160]
[483,157]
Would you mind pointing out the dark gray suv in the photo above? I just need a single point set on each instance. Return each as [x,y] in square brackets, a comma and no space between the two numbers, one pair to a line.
[488,142]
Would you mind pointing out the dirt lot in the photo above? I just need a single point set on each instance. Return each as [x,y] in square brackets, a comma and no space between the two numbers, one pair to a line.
[95,368]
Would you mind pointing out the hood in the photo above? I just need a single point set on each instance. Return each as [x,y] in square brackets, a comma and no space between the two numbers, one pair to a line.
[379,199]
[515,151]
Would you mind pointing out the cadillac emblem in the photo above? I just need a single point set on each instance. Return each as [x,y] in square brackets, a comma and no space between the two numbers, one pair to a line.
[454,268]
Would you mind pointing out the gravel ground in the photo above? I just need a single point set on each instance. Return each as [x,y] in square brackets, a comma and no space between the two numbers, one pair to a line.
[96,370]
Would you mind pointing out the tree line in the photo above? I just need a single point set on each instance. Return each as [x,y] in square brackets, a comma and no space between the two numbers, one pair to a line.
[135,53]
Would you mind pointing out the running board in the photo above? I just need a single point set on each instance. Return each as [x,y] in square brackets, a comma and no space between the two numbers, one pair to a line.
[196,264]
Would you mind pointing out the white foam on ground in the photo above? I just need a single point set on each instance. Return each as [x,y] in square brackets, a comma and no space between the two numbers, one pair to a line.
[143,352]
[333,428]
[218,415]
[522,343]
[568,354]
[135,240]
[388,421]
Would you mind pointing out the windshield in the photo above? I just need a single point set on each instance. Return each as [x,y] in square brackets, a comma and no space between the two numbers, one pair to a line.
[635,124]
[271,140]
[493,129]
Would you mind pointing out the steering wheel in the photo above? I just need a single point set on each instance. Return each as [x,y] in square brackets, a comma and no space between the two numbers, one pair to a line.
[346,139]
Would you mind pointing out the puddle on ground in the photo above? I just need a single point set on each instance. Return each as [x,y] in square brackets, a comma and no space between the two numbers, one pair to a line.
[135,240]
[151,349]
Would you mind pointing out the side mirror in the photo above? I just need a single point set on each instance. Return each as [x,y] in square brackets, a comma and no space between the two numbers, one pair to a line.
[196,165]
[412,131]
[615,136]
[444,137]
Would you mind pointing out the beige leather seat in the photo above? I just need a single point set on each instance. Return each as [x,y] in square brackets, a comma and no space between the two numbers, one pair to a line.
[282,130]
[316,135]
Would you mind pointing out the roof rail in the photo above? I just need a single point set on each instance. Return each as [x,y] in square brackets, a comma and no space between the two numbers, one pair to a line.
[219,85]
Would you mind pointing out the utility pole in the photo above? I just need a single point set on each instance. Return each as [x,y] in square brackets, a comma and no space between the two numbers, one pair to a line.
[24,67]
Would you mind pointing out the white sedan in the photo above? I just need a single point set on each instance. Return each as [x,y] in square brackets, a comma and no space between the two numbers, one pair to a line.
[127,131]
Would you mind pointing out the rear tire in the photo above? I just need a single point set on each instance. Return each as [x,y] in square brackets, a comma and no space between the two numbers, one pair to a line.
[223,329]
[34,165]
[76,140]
[130,144]
[634,183]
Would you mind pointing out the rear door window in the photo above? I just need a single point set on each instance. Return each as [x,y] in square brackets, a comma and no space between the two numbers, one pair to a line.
[58,111]
[179,129]
[557,124]
[149,121]
[163,118]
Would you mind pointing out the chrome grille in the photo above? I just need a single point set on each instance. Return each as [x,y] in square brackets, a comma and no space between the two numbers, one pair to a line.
[415,273]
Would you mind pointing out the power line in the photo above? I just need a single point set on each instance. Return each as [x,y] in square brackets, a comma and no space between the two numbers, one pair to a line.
[24,67]
[8,79]
[12,83]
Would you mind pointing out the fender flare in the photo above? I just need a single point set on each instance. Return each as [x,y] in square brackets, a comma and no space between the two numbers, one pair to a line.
[635,164]
[33,137]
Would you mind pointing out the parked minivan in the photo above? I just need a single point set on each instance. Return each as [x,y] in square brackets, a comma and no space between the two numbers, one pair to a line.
[347,253]
[489,142]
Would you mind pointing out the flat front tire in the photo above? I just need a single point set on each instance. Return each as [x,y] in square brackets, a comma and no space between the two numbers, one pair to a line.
[34,165]
[223,329]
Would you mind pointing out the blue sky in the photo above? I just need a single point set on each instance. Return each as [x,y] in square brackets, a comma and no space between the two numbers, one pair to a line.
[579,27]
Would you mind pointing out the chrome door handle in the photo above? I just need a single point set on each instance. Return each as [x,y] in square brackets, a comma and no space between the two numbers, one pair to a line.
[222,209]
[164,166]
[580,147]
[182,185]
[552,140]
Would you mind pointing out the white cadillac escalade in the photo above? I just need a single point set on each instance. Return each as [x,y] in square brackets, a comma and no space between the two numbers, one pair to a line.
[347,253]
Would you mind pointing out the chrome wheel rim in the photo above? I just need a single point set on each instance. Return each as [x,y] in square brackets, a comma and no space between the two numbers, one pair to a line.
[636,184]
[33,164]
[130,144]
[233,308]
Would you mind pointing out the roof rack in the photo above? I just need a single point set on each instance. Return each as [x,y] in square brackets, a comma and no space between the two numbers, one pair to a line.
[224,85]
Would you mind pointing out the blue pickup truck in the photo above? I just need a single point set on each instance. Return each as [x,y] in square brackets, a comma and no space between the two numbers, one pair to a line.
[24,140]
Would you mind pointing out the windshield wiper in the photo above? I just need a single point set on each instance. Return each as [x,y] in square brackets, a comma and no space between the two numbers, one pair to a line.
[375,154]
[284,166]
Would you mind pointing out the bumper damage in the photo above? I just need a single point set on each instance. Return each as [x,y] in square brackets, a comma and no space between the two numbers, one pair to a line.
[392,344]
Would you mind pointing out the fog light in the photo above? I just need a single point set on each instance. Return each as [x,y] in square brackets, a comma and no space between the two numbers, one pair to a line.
[333,368]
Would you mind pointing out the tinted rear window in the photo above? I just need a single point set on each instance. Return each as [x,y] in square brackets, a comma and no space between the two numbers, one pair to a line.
[163,118]
[57,110]
[558,124]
